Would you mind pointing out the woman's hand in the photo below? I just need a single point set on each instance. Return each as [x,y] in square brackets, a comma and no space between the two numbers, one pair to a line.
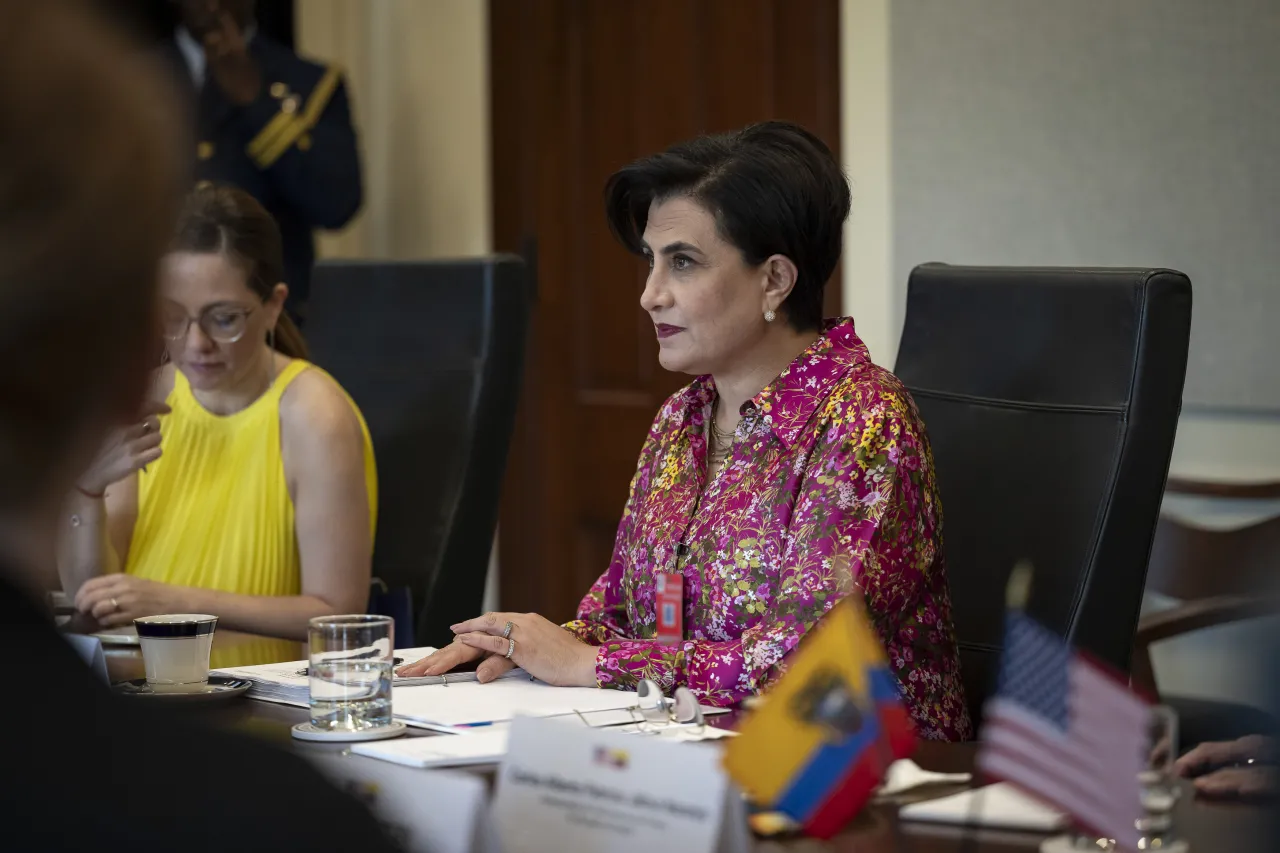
[441,661]
[126,450]
[544,649]
[1252,782]
[118,599]
[1212,755]
[1230,768]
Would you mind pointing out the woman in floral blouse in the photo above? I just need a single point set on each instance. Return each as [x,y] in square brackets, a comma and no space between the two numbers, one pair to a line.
[791,472]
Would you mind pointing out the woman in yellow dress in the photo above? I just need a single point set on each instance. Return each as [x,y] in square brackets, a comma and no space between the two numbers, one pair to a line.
[250,492]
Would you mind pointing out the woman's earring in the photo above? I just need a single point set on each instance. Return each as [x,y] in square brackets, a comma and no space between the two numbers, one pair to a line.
[271,337]
[769,316]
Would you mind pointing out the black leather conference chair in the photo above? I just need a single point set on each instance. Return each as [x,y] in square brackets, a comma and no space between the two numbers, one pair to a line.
[1051,397]
[433,353]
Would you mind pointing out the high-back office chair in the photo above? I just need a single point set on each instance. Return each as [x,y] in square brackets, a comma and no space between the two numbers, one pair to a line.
[433,353]
[1051,398]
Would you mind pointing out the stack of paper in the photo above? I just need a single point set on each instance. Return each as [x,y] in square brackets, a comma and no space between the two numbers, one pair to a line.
[289,684]
[456,702]
[489,745]
[458,707]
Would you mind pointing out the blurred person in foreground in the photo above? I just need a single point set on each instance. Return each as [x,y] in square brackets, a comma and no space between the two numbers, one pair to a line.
[791,472]
[80,242]
[272,123]
[249,490]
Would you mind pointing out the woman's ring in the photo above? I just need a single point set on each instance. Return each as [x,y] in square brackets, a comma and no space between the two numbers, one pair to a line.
[115,605]
[511,647]
[506,631]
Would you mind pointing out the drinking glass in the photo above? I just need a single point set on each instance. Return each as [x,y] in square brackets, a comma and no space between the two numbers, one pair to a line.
[350,671]
[1157,782]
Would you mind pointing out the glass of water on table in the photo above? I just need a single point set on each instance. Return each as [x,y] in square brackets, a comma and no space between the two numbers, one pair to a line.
[1158,782]
[350,670]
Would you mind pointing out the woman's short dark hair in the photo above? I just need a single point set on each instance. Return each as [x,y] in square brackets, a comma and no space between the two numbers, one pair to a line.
[228,221]
[774,189]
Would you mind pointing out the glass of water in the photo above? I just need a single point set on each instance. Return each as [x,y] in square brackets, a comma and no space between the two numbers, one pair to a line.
[1158,782]
[350,671]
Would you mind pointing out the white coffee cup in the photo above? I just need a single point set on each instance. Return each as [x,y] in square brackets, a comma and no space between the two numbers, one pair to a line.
[175,650]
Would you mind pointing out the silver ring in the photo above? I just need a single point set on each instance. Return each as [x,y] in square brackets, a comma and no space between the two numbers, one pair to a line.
[506,631]
[511,647]
[115,605]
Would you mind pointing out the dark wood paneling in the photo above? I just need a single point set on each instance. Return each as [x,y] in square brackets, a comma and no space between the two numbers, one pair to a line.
[579,88]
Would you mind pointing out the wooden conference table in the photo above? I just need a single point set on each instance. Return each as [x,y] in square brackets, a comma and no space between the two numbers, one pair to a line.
[1207,826]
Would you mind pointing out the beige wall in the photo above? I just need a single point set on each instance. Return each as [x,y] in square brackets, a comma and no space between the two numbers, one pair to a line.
[1212,445]
[418,73]
[869,291]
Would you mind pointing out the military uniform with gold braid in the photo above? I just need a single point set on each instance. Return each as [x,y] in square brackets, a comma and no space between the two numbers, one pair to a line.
[293,148]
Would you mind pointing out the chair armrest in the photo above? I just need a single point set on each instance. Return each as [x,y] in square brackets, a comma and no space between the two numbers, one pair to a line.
[1203,613]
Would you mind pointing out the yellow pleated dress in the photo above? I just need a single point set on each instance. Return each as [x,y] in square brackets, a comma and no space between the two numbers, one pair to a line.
[215,511]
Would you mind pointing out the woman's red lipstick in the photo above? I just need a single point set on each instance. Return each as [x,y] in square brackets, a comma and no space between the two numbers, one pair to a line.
[665,330]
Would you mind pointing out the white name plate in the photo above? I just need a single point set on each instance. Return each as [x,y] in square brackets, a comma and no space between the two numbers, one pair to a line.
[566,787]
[424,811]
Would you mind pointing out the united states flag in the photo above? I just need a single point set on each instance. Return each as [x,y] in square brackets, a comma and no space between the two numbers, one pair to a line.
[1063,729]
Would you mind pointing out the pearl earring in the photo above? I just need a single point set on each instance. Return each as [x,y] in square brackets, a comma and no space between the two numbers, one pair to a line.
[769,316]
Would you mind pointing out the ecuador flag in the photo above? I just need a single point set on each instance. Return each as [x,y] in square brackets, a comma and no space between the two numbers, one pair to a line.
[820,743]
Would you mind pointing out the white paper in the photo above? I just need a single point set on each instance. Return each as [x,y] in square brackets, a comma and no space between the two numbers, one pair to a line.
[425,811]
[1000,805]
[567,787]
[90,650]
[488,745]
[904,774]
[471,703]
[288,684]
[485,746]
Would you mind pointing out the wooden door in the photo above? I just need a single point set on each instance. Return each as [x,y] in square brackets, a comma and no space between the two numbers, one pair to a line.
[579,88]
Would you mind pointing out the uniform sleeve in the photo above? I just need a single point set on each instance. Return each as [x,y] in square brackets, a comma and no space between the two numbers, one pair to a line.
[851,484]
[308,149]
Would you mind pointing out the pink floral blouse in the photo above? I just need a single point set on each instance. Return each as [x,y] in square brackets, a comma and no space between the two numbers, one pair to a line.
[829,483]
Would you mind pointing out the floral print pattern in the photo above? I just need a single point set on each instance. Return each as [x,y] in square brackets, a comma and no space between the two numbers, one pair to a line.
[828,490]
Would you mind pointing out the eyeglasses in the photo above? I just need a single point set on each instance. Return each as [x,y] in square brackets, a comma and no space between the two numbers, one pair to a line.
[221,324]
[653,711]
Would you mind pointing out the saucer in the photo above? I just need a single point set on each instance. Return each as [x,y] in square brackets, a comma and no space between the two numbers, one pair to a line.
[306,731]
[218,689]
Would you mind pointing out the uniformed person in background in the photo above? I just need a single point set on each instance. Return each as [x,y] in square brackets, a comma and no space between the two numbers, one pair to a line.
[273,124]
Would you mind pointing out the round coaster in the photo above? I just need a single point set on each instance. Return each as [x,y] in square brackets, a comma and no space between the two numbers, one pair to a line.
[306,731]
[1062,844]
